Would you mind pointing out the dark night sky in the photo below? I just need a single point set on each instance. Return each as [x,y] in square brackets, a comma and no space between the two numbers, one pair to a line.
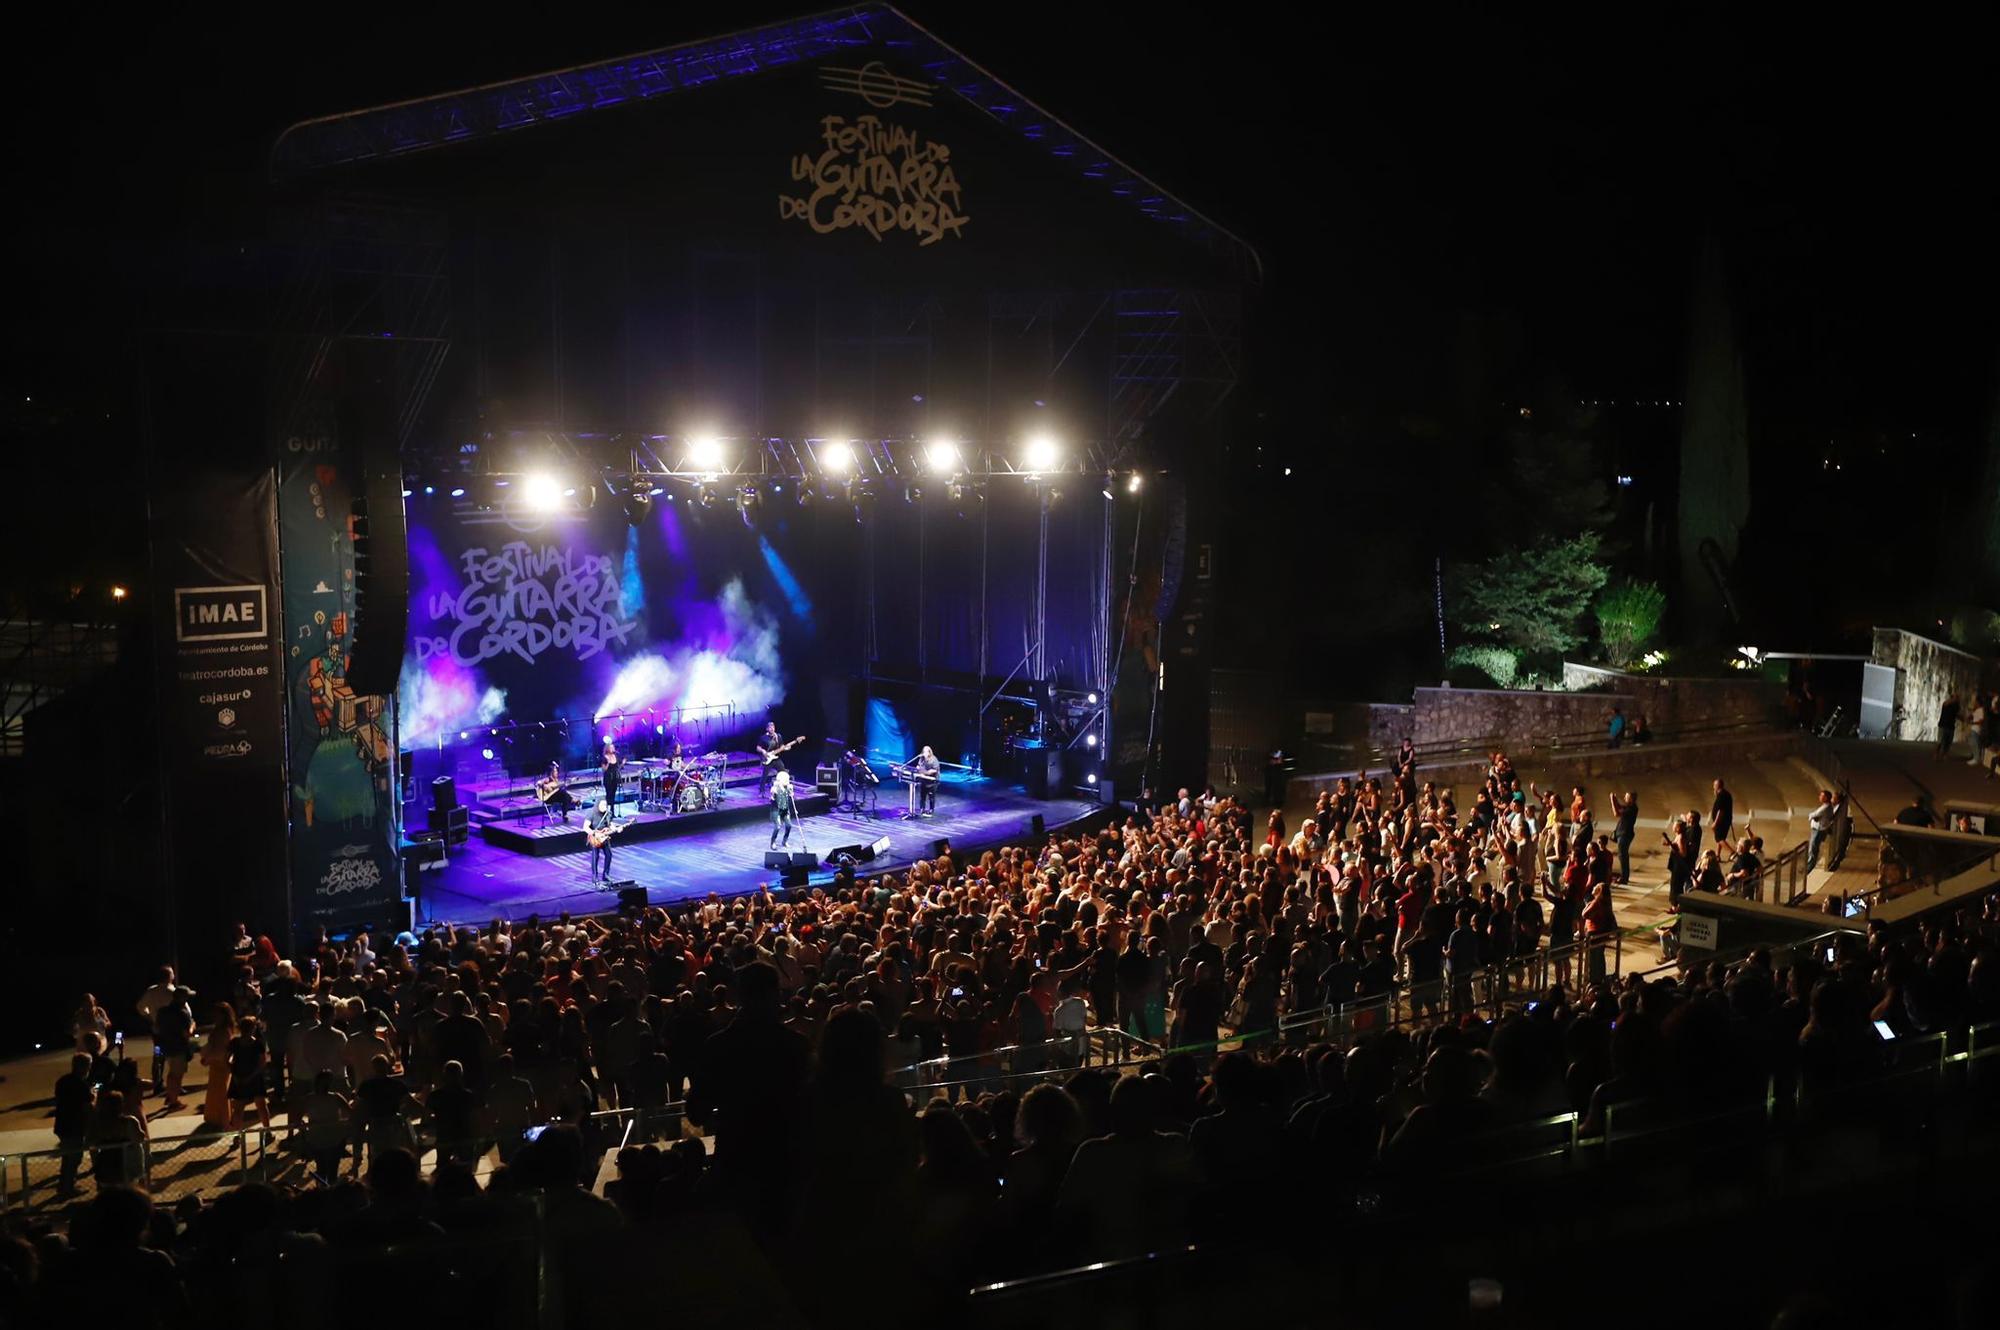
[1398,175]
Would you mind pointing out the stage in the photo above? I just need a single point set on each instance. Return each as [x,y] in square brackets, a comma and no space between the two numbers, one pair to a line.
[509,870]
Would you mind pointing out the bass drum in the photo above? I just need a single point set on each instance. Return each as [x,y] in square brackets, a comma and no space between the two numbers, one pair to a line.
[694,798]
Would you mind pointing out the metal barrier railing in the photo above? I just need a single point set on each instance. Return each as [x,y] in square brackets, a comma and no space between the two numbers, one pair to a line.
[206,1162]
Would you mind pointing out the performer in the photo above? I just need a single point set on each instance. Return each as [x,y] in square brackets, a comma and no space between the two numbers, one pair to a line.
[556,799]
[613,767]
[784,809]
[771,749]
[927,767]
[598,832]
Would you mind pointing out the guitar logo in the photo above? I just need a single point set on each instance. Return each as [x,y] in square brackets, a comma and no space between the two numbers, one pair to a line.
[874,84]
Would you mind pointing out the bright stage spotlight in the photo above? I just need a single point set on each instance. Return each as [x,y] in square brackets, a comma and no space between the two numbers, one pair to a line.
[1091,699]
[639,503]
[1091,779]
[1132,483]
[458,491]
[836,459]
[1042,453]
[1090,741]
[941,457]
[705,451]
[542,491]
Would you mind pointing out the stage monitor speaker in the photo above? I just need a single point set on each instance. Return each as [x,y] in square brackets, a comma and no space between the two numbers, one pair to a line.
[368,420]
[631,896]
[797,877]
[841,855]
[805,859]
[1041,771]
[453,823]
[444,792]
[1038,826]
[939,846]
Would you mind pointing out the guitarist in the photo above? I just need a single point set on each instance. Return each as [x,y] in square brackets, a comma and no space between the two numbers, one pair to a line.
[554,795]
[598,831]
[770,747]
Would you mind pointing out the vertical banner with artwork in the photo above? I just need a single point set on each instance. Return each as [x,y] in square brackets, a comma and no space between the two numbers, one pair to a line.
[215,555]
[343,836]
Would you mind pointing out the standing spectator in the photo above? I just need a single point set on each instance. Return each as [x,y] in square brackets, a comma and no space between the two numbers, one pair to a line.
[247,1088]
[215,1109]
[1947,725]
[149,1004]
[382,1104]
[1616,725]
[750,1085]
[322,1046]
[324,1114]
[452,1110]
[1600,924]
[74,1100]
[1680,861]
[115,1137]
[1626,827]
[91,1025]
[1721,813]
[1824,817]
[173,1042]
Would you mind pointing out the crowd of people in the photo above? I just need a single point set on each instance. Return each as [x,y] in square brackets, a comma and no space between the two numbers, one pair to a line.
[787,1028]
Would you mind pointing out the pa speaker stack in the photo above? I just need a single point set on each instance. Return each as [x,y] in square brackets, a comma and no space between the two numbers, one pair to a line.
[367,418]
[450,821]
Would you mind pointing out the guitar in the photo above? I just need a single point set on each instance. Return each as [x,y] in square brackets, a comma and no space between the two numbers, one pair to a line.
[771,757]
[546,789]
[596,839]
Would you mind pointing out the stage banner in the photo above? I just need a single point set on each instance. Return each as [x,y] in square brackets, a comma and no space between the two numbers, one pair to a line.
[217,540]
[344,866]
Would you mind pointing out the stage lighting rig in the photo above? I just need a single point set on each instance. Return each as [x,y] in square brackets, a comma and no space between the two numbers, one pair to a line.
[706,453]
[543,491]
[1042,453]
[639,503]
[836,458]
[941,457]
[1132,483]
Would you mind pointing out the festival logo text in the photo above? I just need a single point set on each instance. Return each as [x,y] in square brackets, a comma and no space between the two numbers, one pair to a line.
[878,176]
[523,601]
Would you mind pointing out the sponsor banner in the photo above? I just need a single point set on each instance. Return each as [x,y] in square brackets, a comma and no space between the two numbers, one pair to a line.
[343,833]
[218,547]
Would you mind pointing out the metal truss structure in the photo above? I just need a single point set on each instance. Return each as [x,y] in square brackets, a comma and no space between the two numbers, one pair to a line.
[364,271]
[385,132]
[577,464]
[40,660]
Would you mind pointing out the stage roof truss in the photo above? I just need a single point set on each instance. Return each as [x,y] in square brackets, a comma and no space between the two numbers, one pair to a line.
[423,124]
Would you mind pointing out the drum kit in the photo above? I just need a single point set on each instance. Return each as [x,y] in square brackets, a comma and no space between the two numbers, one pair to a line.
[680,785]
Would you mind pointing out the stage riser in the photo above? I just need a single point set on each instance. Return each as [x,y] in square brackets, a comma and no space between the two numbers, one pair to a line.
[533,837]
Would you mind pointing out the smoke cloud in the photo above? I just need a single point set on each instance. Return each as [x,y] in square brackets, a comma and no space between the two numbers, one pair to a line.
[435,702]
[733,660]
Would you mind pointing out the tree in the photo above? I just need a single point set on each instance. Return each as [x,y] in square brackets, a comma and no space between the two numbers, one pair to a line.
[1532,599]
[1628,615]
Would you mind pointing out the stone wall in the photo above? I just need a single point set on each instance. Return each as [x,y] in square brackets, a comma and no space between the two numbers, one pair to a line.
[1389,723]
[1587,767]
[1509,716]
[1927,673]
